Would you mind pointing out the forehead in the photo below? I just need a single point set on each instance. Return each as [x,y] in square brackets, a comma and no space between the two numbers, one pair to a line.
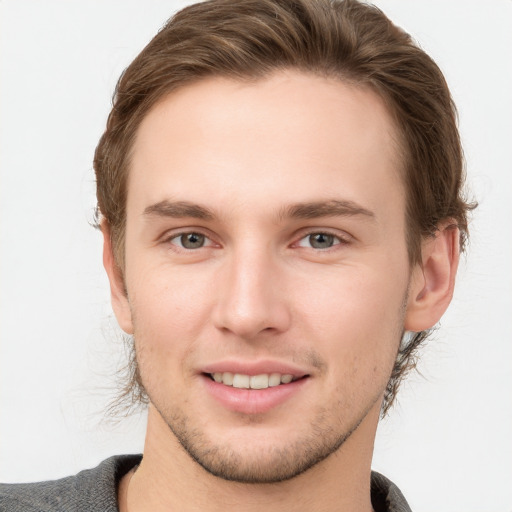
[290,137]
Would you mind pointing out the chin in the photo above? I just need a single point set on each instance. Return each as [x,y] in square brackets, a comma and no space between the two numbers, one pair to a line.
[270,457]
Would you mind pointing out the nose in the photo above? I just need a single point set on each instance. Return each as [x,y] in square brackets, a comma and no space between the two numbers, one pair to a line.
[252,298]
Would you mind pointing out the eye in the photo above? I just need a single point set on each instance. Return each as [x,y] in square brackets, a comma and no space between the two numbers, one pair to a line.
[320,241]
[190,240]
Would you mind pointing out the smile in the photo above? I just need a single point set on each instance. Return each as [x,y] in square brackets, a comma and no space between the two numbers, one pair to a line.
[253,394]
[262,381]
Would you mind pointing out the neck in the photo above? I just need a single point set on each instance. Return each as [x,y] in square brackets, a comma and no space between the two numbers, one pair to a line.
[169,479]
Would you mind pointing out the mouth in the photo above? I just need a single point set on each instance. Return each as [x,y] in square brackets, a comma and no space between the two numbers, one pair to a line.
[254,388]
[261,381]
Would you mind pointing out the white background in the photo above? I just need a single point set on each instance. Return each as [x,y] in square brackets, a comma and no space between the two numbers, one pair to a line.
[448,444]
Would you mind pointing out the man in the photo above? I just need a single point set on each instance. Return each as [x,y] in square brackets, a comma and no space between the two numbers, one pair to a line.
[279,187]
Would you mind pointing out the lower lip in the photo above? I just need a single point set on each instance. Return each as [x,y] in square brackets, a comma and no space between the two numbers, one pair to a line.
[252,401]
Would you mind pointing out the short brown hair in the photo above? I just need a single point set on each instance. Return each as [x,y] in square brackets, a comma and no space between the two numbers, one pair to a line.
[249,39]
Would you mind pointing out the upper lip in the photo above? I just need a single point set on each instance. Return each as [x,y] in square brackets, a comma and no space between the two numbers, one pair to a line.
[254,368]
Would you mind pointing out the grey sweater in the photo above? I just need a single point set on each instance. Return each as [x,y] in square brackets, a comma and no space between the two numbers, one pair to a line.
[95,490]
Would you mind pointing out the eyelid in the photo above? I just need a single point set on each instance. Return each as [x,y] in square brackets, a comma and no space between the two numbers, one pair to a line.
[171,234]
[344,238]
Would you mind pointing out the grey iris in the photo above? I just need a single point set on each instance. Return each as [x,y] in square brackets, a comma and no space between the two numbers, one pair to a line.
[192,240]
[321,240]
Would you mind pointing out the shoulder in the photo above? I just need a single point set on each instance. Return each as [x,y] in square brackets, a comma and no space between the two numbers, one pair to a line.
[90,490]
[386,496]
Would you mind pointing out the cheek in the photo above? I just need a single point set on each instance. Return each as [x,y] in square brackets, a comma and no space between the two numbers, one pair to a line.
[357,317]
[355,300]
[168,305]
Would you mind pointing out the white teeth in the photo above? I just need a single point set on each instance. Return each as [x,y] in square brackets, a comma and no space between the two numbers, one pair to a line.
[241,381]
[227,378]
[274,379]
[259,381]
[262,381]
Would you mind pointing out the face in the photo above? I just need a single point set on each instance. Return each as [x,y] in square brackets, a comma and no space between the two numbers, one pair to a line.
[266,268]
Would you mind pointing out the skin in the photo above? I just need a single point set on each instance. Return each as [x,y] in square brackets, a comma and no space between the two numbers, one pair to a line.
[246,158]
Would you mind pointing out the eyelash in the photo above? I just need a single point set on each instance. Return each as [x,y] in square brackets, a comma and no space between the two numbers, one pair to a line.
[174,236]
[338,240]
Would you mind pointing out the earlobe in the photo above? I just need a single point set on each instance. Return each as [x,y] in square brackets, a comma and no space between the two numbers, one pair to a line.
[118,296]
[432,282]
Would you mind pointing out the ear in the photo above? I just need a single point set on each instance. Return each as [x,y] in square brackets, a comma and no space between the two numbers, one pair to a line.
[433,281]
[118,296]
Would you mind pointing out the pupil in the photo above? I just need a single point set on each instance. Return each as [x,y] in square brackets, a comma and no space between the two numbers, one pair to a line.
[321,240]
[192,240]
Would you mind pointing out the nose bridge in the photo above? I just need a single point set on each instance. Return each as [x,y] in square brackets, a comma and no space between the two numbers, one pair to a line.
[251,299]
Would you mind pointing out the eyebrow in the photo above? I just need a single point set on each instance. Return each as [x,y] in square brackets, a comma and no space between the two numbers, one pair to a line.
[179,209]
[332,208]
[309,210]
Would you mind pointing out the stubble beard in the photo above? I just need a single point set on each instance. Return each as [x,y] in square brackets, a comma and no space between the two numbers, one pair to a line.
[271,464]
